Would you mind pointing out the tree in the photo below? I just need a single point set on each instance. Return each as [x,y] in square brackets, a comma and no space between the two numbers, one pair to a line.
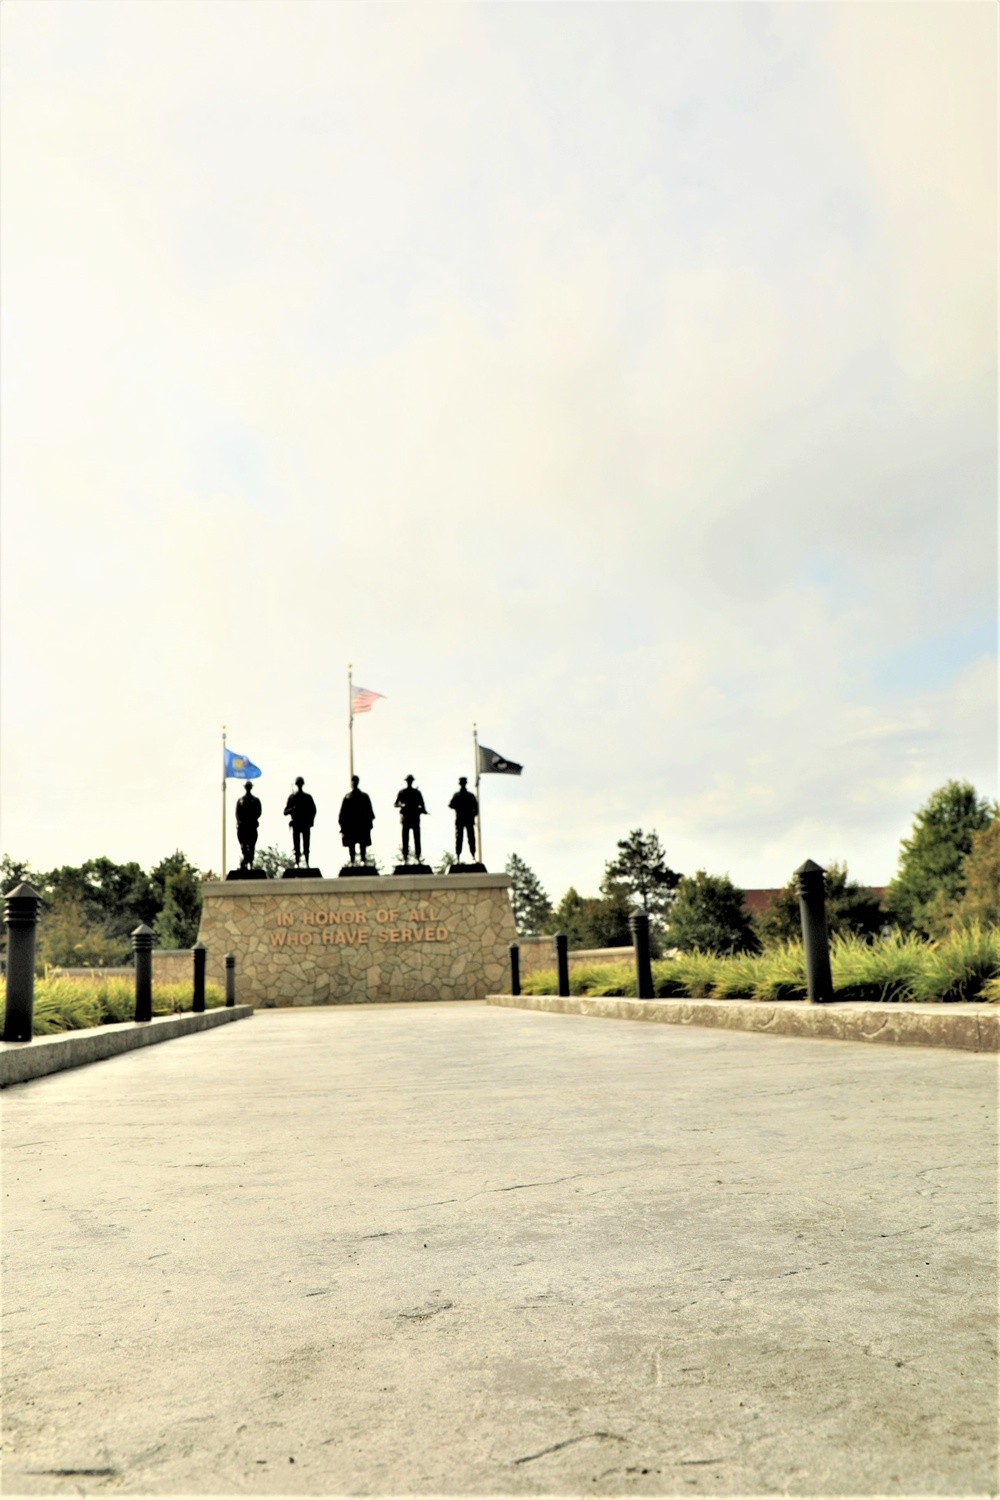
[176,925]
[980,899]
[708,914]
[931,862]
[273,861]
[445,863]
[15,871]
[593,921]
[532,906]
[640,866]
[69,937]
[850,908]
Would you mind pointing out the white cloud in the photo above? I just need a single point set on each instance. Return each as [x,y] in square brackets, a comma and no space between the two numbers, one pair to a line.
[613,376]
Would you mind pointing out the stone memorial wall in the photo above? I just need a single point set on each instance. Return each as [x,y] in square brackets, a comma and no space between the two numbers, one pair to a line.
[346,941]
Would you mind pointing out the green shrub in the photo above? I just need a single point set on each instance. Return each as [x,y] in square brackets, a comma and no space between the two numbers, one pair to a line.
[960,966]
[963,966]
[70,1003]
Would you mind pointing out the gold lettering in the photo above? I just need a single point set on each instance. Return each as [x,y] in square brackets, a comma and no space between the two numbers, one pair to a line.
[308,917]
[442,933]
[278,939]
[382,915]
[328,936]
[321,919]
[407,934]
[414,916]
[305,938]
[363,935]
[382,935]
[341,938]
[394,934]
[418,933]
[359,917]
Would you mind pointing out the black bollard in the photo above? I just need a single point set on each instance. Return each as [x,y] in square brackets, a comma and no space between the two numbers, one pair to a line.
[812,910]
[230,978]
[639,923]
[562,963]
[198,955]
[515,969]
[142,950]
[21,916]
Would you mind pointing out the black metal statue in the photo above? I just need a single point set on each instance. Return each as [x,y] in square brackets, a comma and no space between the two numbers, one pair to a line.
[356,819]
[248,811]
[465,808]
[410,802]
[301,808]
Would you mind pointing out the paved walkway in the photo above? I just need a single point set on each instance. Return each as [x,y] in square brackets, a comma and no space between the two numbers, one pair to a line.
[460,1249]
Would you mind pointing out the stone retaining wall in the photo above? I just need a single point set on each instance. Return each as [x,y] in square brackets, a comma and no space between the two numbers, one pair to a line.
[540,953]
[342,942]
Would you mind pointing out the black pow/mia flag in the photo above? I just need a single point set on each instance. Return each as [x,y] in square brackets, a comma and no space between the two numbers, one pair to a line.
[489,760]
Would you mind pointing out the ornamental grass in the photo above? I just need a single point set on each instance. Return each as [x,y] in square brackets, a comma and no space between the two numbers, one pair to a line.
[71,1003]
[963,966]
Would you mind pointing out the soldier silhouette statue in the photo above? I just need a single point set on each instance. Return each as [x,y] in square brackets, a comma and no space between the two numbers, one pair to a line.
[410,801]
[248,811]
[465,808]
[301,809]
[356,819]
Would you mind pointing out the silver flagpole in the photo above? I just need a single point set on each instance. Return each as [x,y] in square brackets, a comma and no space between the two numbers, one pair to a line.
[223,875]
[350,726]
[479,824]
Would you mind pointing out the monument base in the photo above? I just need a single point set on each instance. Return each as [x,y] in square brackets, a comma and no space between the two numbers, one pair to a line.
[301,872]
[349,872]
[246,875]
[473,869]
[351,941]
[413,870]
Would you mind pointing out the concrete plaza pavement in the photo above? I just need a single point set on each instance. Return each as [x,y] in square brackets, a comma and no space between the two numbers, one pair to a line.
[456,1249]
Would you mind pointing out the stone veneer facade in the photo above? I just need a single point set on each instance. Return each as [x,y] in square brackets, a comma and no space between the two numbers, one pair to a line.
[343,942]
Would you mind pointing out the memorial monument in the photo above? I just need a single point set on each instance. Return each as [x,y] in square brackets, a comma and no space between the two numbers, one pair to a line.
[356,819]
[465,806]
[355,939]
[410,801]
[300,809]
[248,812]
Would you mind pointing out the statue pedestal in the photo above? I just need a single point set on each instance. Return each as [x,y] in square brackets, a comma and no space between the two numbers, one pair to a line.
[473,869]
[246,875]
[413,870]
[350,940]
[301,872]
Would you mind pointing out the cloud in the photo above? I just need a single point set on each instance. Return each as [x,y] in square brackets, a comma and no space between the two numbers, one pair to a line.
[612,376]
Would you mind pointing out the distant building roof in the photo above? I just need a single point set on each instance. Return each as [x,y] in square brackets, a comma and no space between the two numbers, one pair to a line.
[758,901]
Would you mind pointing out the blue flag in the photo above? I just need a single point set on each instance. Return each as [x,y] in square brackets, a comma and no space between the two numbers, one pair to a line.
[239,766]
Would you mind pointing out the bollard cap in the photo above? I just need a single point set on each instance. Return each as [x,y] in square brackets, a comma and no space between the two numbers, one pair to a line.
[198,948]
[21,904]
[636,918]
[230,960]
[810,867]
[143,936]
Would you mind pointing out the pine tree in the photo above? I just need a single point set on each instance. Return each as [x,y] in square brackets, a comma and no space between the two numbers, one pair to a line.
[641,867]
[532,907]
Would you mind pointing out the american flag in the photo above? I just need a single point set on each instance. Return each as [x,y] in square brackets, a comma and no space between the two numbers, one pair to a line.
[362,700]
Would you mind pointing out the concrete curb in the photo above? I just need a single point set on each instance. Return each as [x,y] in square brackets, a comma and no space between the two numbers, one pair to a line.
[22,1061]
[970,1028]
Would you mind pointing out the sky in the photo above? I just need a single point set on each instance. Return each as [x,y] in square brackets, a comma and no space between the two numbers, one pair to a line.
[619,377]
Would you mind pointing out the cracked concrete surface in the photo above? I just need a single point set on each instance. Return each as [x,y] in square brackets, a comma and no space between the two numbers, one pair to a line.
[459,1249]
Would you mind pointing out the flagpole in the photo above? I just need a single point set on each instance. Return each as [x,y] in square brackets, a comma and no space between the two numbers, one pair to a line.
[479,825]
[223,875]
[350,725]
